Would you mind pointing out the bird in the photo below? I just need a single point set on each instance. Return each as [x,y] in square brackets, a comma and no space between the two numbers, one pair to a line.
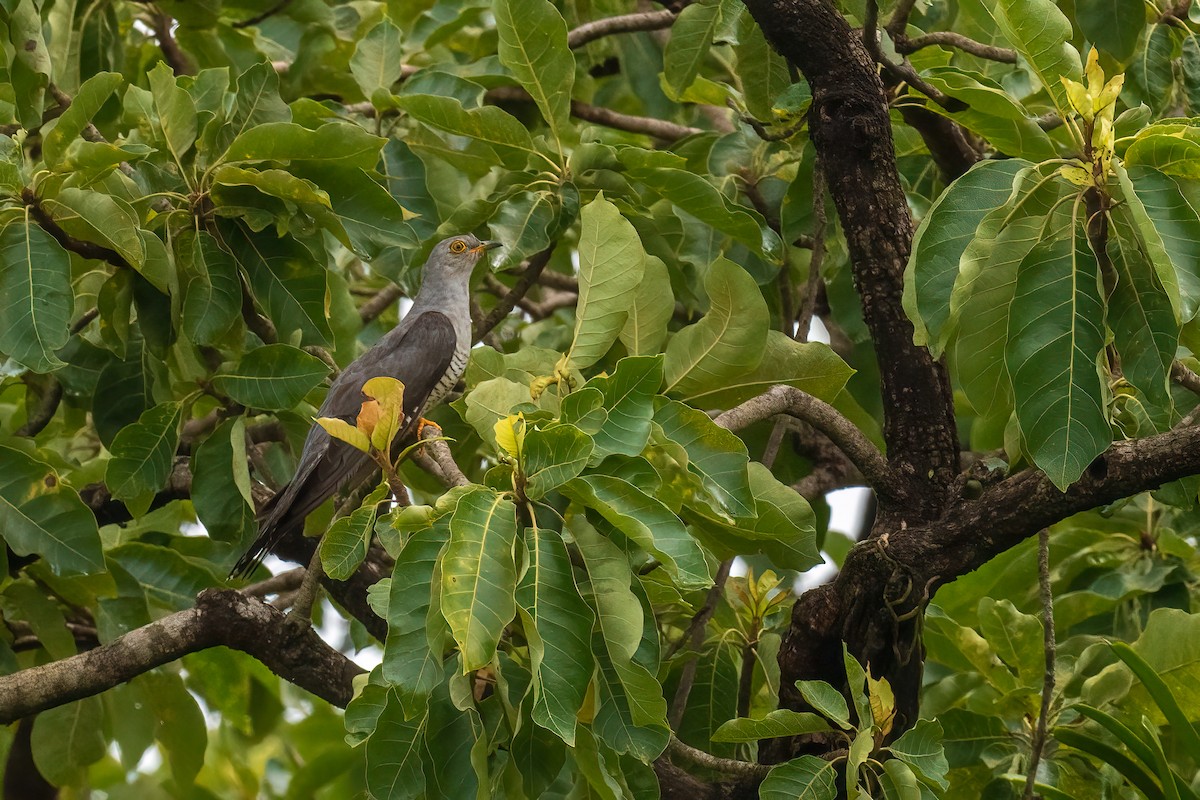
[427,351]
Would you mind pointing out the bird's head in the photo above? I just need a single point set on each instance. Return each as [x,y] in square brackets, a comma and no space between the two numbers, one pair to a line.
[457,255]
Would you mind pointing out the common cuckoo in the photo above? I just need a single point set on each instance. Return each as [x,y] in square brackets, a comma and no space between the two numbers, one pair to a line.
[427,351]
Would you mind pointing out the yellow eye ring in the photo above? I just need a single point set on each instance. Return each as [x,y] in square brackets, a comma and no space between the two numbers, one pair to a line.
[458,246]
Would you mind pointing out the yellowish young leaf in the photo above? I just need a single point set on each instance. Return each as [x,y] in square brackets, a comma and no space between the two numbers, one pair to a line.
[340,429]
[388,394]
[883,703]
[510,435]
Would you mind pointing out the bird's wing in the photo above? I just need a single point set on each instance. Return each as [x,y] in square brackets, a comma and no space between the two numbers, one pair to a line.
[418,355]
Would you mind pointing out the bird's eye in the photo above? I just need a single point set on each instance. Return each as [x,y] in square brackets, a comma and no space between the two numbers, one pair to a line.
[458,246]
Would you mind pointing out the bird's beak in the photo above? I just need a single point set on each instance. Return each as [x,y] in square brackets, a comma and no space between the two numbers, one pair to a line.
[485,246]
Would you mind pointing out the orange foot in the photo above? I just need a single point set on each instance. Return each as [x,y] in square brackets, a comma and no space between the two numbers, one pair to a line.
[422,423]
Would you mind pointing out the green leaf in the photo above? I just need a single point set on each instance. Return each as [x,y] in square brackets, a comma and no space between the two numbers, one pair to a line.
[394,754]
[365,218]
[701,199]
[714,455]
[899,782]
[1171,215]
[763,72]
[408,660]
[1041,34]
[67,738]
[610,267]
[345,544]
[713,699]
[524,223]
[533,45]
[180,727]
[490,401]
[557,624]
[143,453]
[1112,25]
[727,343]
[781,722]
[826,700]
[256,103]
[99,218]
[478,574]
[647,523]
[992,113]
[628,398]
[453,741]
[1125,766]
[287,283]
[488,124]
[1171,152]
[943,235]
[91,95]
[1151,74]
[274,377]
[1015,637]
[225,511]
[1055,337]
[691,36]
[340,142]
[36,301]
[921,748]
[176,111]
[804,778]
[378,60]
[631,716]
[810,366]
[653,306]
[1159,691]
[169,578]
[552,457]
[212,294]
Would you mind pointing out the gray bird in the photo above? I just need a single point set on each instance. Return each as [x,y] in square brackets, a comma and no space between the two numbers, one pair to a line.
[427,351]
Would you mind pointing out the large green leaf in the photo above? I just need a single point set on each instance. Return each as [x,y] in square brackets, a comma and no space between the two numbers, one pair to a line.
[552,457]
[652,308]
[489,124]
[38,514]
[366,218]
[180,728]
[344,545]
[810,366]
[176,111]
[991,113]
[143,453]
[714,455]
[169,578]
[1055,335]
[628,399]
[921,748]
[408,660]
[219,474]
[378,60]
[274,377]
[727,343]
[691,37]
[610,268]
[66,739]
[212,294]
[631,714]
[99,218]
[491,400]
[763,71]
[701,199]
[341,142]
[558,625]
[256,103]
[782,722]
[804,778]
[394,754]
[619,615]
[533,45]
[478,574]
[647,523]
[1170,645]
[1041,33]
[1175,226]
[36,300]
[454,743]
[91,95]
[944,233]
[1112,25]
[286,282]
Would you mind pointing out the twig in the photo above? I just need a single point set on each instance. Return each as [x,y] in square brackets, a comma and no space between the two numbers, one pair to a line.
[694,636]
[1185,377]
[899,21]
[771,451]
[275,9]
[658,128]
[84,320]
[174,56]
[1039,734]
[957,40]
[729,766]
[439,452]
[40,416]
[902,71]
[382,300]
[826,419]
[533,268]
[746,677]
[626,23]
[286,581]
[559,281]
[221,617]
[306,595]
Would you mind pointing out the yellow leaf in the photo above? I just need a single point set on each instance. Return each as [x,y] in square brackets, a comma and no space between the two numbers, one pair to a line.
[1076,175]
[388,394]
[510,435]
[1095,75]
[1080,100]
[883,703]
[340,429]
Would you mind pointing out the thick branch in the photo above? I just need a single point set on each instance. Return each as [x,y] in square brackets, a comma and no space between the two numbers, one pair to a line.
[825,418]
[852,133]
[221,617]
[952,39]
[439,452]
[379,303]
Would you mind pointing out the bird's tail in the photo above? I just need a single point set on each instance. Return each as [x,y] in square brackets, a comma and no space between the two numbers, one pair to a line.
[273,525]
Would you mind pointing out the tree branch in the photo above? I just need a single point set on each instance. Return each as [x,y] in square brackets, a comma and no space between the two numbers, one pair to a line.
[39,417]
[382,300]
[626,23]
[220,617]
[957,40]
[533,268]
[440,454]
[825,418]
[729,766]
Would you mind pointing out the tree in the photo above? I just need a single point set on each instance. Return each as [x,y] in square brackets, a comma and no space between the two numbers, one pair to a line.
[207,209]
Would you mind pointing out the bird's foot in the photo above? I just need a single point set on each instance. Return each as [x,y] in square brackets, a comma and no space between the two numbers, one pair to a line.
[423,423]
